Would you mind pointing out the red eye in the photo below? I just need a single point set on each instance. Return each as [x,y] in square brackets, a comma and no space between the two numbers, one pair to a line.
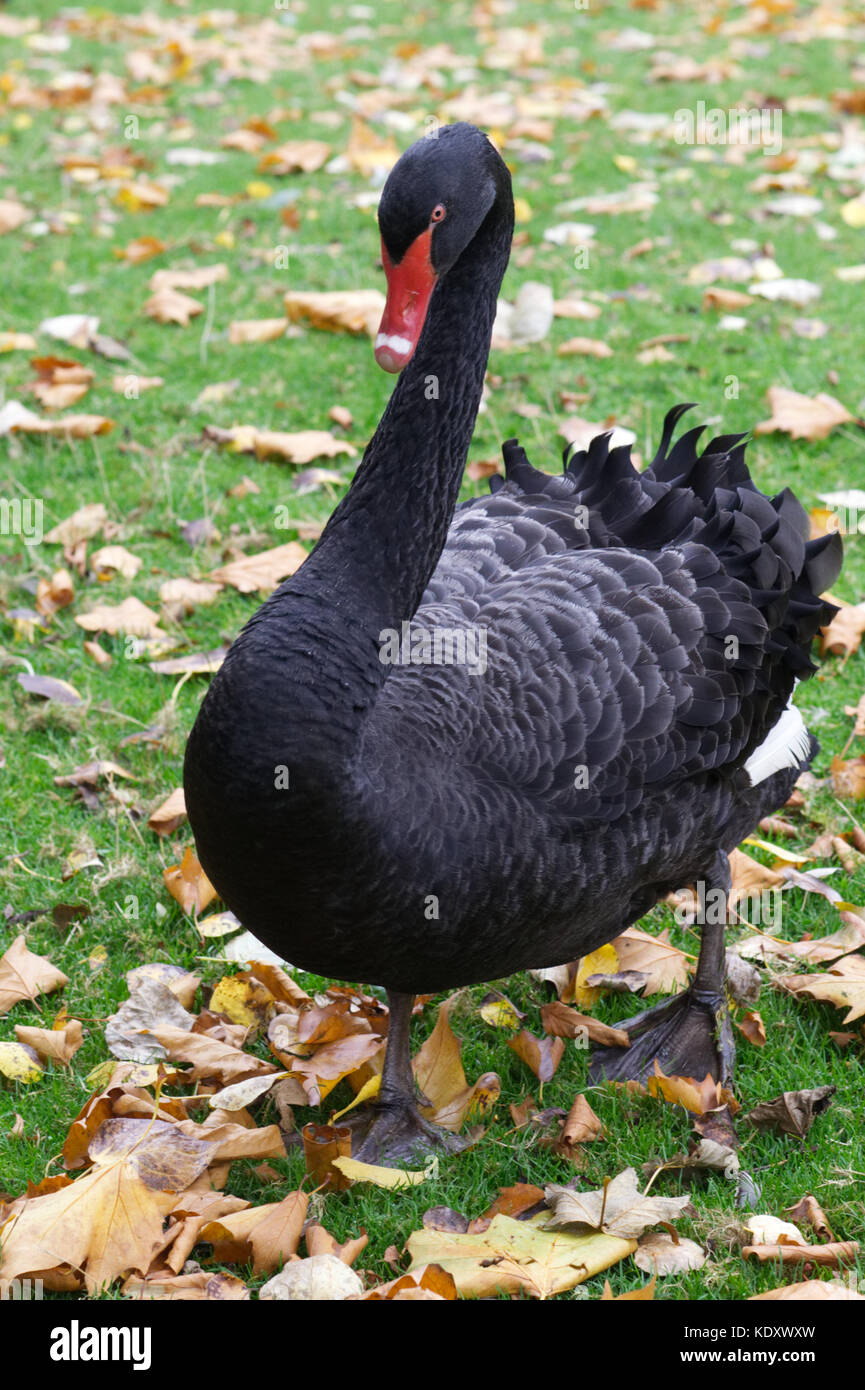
[438,213]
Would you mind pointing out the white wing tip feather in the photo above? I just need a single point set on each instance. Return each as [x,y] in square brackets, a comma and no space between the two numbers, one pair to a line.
[787,744]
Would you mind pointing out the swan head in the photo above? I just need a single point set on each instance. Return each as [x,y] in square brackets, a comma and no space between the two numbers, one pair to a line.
[434,201]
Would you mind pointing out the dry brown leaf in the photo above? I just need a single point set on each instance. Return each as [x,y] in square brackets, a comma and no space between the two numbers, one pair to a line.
[295,157]
[338,311]
[845,631]
[198,279]
[439,1074]
[67,427]
[211,1059]
[426,1282]
[24,975]
[182,596]
[189,885]
[543,1055]
[582,1124]
[658,1253]
[563,1022]
[753,1028]
[53,1044]
[811,1290]
[848,777]
[834,1256]
[698,1097]
[618,1208]
[131,617]
[256,330]
[808,1211]
[717,298]
[54,593]
[140,249]
[141,196]
[12,215]
[109,1221]
[82,525]
[262,571]
[114,559]
[793,1112]
[198,1287]
[170,306]
[843,986]
[167,817]
[664,965]
[584,347]
[802,417]
[268,1235]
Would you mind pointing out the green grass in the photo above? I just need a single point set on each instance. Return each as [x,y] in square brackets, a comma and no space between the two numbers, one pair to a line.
[154,473]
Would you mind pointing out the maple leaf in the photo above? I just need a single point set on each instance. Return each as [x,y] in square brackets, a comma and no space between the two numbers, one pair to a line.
[665,966]
[516,1257]
[618,1208]
[110,1220]
[802,417]
[843,986]
[53,1044]
[24,975]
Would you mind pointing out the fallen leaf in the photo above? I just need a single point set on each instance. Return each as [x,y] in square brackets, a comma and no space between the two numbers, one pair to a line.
[170,306]
[20,1063]
[167,817]
[189,885]
[131,617]
[753,1028]
[53,1044]
[793,1112]
[338,311]
[618,1208]
[114,559]
[295,157]
[391,1178]
[49,688]
[665,967]
[845,631]
[843,986]
[802,417]
[812,1290]
[262,571]
[24,975]
[256,330]
[543,1055]
[658,1253]
[516,1257]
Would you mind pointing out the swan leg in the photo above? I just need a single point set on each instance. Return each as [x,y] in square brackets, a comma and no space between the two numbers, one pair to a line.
[690,1034]
[396,1129]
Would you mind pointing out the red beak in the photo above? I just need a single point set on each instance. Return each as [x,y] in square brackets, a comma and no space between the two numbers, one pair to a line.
[409,286]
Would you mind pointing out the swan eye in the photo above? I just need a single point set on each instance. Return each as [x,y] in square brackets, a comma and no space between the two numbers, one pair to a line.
[438,213]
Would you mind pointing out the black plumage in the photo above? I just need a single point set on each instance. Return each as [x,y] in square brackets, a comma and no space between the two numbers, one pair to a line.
[636,636]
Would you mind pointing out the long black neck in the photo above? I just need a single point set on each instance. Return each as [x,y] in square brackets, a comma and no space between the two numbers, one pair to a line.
[380,547]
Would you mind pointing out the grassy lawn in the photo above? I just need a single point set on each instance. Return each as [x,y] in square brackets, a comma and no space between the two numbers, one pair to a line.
[155,474]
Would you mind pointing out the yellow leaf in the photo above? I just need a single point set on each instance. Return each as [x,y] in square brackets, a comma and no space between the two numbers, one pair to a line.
[604,961]
[516,1257]
[392,1178]
[367,1091]
[522,210]
[18,1063]
[853,212]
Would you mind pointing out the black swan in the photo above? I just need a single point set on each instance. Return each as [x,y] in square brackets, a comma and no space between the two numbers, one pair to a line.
[507,728]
